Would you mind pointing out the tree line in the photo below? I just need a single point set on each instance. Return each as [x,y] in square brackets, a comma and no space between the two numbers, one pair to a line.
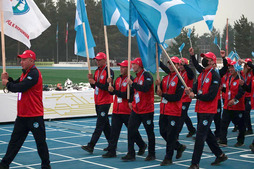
[61,12]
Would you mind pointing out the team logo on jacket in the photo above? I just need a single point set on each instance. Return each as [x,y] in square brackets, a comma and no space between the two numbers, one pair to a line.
[249,75]
[249,102]
[218,110]
[173,123]
[234,84]
[124,84]
[141,82]
[20,7]
[205,122]
[173,83]
[183,107]
[36,125]
[207,80]
[148,122]
[240,115]
[29,77]
[102,77]
[102,114]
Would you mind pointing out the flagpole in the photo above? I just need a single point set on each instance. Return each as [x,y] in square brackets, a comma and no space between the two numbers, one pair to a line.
[157,65]
[87,52]
[190,42]
[66,40]
[181,55]
[227,39]
[66,51]
[172,64]
[57,61]
[3,42]
[107,51]
[129,63]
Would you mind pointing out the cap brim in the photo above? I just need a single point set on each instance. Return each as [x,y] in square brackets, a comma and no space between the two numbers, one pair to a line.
[202,55]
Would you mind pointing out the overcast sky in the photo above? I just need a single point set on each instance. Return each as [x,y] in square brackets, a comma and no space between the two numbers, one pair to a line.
[231,9]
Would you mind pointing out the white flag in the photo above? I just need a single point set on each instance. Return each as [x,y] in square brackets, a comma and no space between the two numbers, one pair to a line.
[6,7]
[26,23]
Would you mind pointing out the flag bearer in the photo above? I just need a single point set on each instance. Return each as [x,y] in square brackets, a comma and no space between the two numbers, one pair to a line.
[30,110]
[121,112]
[142,110]
[102,99]
[206,89]
[171,91]
[188,77]
[233,107]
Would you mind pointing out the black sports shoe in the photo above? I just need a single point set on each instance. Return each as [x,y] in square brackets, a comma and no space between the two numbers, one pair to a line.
[220,159]
[235,129]
[194,166]
[248,132]
[252,147]
[129,157]
[2,166]
[179,151]
[238,144]
[105,149]
[191,133]
[142,150]
[88,148]
[166,162]
[109,155]
[150,157]
[222,144]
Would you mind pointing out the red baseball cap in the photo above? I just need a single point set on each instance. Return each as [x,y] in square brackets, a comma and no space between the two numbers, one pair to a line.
[186,61]
[175,59]
[123,63]
[28,54]
[232,63]
[248,60]
[228,60]
[210,55]
[100,56]
[137,61]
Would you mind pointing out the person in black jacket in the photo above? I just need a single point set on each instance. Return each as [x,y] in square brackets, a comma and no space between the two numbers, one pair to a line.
[184,117]
[221,72]
[102,99]
[30,110]
[206,89]
[121,111]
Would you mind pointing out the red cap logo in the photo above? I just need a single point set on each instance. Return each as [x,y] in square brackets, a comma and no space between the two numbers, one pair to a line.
[28,54]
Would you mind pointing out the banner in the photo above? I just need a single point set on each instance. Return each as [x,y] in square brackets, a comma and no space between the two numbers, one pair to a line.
[26,23]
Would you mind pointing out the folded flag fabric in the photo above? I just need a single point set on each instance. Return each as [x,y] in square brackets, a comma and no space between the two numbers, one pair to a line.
[81,17]
[165,18]
[26,23]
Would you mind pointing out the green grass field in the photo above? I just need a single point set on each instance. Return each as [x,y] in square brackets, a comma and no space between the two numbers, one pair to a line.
[55,76]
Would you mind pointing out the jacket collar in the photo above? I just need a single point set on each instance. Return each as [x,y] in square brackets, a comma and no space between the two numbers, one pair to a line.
[139,73]
[28,70]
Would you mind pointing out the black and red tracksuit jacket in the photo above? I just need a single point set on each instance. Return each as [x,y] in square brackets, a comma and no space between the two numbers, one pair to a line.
[206,88]
[234,91]
[121,103]
[188,77]
[143,99]
[102,96]
[29,87]
[247,79]
[250,87]
[172,92]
